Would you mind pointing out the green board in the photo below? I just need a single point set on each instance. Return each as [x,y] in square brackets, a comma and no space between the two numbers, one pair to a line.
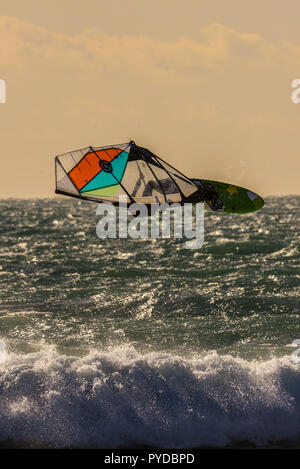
[224,197]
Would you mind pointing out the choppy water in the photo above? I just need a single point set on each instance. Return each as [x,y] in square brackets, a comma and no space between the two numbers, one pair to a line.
[143,342]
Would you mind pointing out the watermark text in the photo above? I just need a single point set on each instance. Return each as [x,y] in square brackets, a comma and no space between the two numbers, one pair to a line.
[2,92]
[163,221]
[2,352]
[295,96]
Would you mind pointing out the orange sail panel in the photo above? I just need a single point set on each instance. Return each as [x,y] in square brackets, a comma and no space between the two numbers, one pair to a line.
[88,167]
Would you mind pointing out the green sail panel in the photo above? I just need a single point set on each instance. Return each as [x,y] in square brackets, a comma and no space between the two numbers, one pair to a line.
[104,191]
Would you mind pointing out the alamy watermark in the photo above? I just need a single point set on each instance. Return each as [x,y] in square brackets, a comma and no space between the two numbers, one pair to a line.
[295,96]
[2,352]
[296,353]
[2,92]
[135,221]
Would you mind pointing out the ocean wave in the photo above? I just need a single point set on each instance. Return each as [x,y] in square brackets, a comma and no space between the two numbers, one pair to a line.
[121,397]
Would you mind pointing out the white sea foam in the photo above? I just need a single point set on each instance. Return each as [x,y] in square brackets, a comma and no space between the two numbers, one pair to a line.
[121,397]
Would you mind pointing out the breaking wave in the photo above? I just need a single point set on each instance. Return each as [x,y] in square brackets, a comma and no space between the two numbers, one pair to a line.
[122,398]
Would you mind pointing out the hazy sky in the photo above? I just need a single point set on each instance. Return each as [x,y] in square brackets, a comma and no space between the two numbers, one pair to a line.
[204,84]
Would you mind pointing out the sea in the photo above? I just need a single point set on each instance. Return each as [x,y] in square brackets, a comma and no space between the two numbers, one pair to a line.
[143,343]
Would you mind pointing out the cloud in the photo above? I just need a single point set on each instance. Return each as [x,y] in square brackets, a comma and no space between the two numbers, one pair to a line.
[217,46]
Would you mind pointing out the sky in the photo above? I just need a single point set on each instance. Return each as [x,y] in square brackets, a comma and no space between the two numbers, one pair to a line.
[205,85]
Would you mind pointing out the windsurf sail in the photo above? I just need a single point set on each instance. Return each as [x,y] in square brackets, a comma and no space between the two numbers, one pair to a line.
[102,174]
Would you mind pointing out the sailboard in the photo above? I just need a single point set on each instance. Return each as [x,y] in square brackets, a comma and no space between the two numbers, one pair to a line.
[102,174]
[221,196]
